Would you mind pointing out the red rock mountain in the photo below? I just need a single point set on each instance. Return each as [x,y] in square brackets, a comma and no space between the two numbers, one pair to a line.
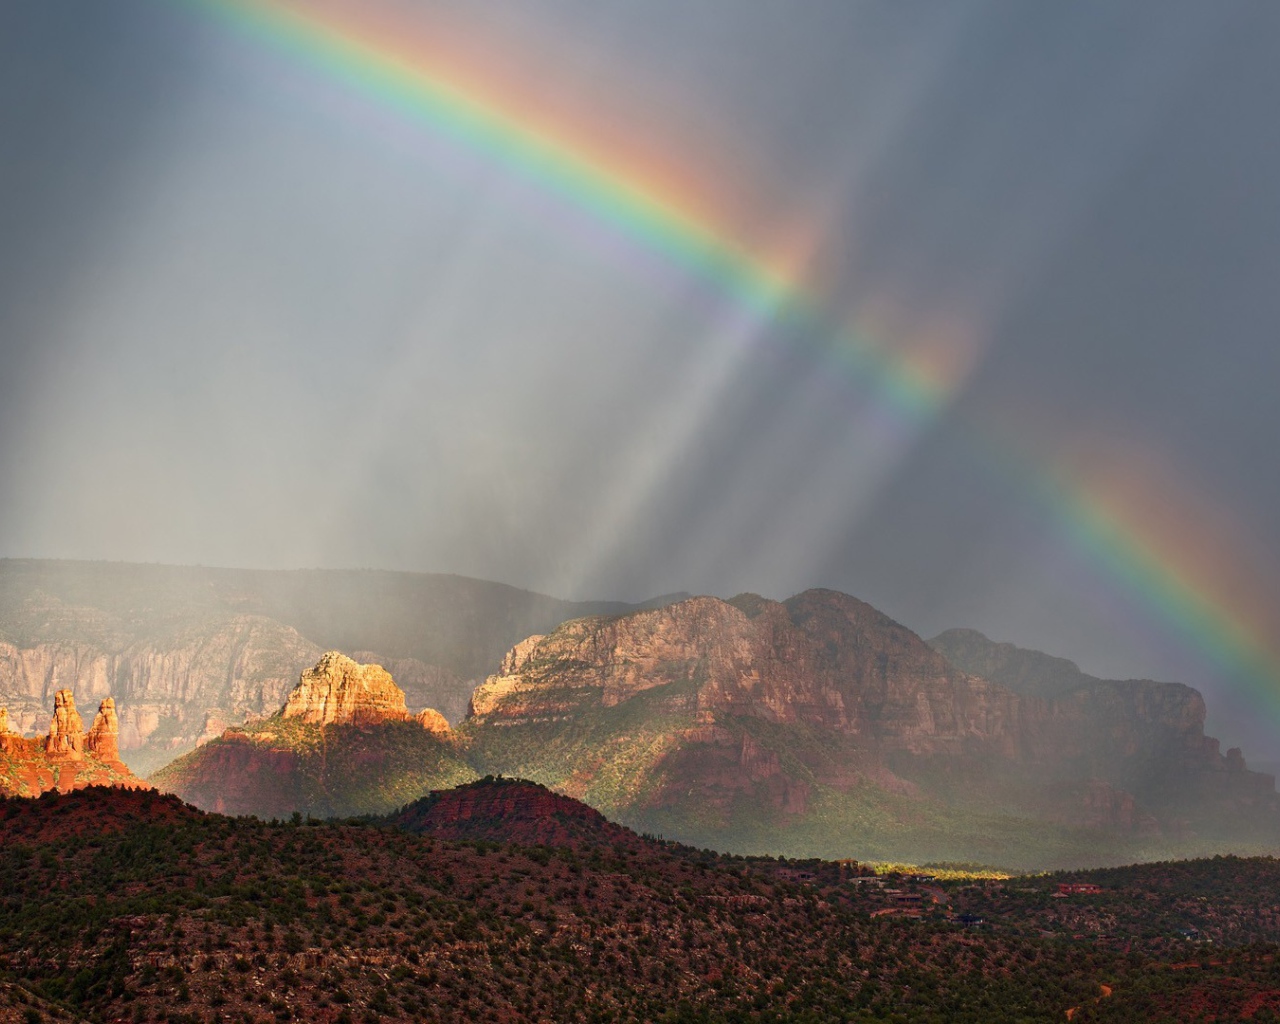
[812,719]
[815,726]
[823,660]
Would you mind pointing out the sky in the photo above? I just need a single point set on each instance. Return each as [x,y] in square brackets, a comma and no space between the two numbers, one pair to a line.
[966,308]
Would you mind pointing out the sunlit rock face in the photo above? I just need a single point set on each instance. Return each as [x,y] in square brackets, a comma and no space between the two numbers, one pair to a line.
[167,687]
[67,757]
[823,660]
[339,691]
[344,743]
[66,730]
[431,720]
[103,738]
[750,721]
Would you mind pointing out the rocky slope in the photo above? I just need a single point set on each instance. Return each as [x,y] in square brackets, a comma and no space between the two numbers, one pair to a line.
[68,756]
[188,651]
[344,743]
[818,725]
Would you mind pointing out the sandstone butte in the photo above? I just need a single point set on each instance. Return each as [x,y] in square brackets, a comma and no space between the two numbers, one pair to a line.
[341,691]
[67,757]
[271,767]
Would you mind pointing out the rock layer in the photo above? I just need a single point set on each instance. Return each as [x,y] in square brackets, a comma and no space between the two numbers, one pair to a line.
[822,660]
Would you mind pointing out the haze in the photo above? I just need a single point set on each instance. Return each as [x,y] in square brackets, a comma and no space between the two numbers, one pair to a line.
[253,314]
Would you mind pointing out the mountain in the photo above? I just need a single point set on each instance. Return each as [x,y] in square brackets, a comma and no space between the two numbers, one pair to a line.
[1030,673]
[344,743]
[68,756]
[1144,736]
[812,727]
[818,726]
[187,651]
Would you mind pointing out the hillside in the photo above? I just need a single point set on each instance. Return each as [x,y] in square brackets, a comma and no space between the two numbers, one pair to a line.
[342,744]
[187,651]
[510,811]
[813,727]
[130,906]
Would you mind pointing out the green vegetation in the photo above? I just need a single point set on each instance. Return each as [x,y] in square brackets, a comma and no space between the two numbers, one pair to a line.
[331,771]
[128,906]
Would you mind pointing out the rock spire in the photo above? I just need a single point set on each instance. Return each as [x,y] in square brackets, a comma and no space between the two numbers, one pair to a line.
[66,730]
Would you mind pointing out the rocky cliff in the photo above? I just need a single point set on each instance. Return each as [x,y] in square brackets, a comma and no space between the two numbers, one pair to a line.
[167,686]
[822,660]
[1145,736]
[67,757]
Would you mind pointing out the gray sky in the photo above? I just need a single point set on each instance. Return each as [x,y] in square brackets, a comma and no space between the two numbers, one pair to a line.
[251,315]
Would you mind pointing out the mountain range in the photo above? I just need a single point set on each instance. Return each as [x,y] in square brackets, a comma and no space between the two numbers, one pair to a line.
[812,727]
[187,651]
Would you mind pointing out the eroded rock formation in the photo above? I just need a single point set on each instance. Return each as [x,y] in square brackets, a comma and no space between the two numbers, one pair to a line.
[103,738]
[274,766]
[340,691]
[66,730]
[823,659]
[66,757]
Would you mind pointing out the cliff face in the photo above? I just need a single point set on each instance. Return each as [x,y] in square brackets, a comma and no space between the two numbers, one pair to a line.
[181,690]
[702,715]
[1145,736]
[340,691]
[166,686]
[66,757]
[822,660]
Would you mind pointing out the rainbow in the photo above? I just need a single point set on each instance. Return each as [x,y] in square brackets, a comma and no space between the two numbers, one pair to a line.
[652,213]
[1226,629]
[646,209]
